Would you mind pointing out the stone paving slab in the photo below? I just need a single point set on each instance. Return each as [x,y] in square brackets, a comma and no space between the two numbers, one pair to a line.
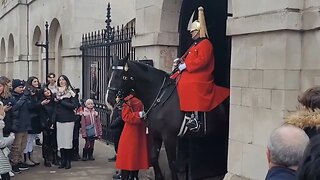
[100,169]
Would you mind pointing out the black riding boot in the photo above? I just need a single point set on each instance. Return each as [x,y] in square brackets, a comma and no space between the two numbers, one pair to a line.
[68,158]
[84,154]
[63,158]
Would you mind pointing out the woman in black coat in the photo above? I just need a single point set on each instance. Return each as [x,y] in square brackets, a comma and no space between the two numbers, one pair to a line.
[66,103]
[47,116]
[33,87]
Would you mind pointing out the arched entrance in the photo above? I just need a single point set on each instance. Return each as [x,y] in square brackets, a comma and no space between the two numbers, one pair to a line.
[36,62]
[55,47]
[207,156]
[58,55]
[9,65]
[2,56]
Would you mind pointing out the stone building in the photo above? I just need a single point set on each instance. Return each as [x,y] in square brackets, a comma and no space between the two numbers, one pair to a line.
[22,24]
[273,54]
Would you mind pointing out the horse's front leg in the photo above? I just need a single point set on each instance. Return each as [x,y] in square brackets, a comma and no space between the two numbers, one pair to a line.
[170,146]
[155,145]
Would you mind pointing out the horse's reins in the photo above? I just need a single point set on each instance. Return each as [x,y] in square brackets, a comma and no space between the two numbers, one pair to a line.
[156,99]
[181,61]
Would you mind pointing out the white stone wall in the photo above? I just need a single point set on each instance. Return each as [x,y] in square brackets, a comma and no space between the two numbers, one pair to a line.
[274,58]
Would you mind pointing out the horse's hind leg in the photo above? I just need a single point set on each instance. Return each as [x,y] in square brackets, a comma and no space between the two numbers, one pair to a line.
[170,145]
[155,150]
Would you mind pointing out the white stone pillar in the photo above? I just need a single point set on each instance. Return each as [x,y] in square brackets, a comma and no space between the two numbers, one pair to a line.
[156,31]
[265,78]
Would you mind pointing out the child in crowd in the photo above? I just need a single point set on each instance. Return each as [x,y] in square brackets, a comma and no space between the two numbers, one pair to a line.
[5,166]
[91,129]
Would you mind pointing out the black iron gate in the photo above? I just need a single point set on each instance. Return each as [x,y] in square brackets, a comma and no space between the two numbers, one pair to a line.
[98,49]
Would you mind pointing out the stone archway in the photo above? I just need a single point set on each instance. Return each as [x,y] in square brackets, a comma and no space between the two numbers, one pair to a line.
[160,40]
[35,63]
[55,47]
[58,55]
[211,160]
[10,57]
[2,56]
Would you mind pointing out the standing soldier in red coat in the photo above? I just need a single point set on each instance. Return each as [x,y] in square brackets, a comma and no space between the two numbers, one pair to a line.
[133,148]
[196,88]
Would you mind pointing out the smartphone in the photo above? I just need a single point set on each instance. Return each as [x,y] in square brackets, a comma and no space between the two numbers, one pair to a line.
[9,104]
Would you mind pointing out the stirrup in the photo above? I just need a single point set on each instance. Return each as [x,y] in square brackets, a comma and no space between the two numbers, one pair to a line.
[195,125]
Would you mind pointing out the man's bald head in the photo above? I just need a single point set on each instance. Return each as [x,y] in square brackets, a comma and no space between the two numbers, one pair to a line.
[286,145]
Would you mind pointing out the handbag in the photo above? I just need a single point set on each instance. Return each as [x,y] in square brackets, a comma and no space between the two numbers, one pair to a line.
[5,151]
[90,130]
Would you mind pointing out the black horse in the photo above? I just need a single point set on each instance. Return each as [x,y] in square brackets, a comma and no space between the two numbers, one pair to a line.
[161,103]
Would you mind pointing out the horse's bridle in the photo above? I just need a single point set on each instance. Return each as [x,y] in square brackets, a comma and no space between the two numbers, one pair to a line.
[120,93]
[125,78]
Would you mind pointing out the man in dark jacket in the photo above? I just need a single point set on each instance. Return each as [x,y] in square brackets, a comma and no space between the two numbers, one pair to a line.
[285,151]
[21,123]
[116,128]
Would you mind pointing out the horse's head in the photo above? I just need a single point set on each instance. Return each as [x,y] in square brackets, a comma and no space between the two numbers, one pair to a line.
[120,82]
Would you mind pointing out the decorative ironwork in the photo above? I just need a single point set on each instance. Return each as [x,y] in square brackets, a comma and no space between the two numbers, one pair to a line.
[98,49]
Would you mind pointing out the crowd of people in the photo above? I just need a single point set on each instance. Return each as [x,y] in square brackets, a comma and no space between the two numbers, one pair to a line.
[293,149]
[53,109]
[29,108]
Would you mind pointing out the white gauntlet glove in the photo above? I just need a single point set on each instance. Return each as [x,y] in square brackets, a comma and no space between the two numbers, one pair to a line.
[182,66]
[175,63]
[142,114]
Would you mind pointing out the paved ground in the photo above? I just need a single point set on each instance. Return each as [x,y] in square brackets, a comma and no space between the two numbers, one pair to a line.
[100,169]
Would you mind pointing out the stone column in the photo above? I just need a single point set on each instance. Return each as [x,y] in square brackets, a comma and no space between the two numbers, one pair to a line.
[265,78]
[157,34]
[310,66]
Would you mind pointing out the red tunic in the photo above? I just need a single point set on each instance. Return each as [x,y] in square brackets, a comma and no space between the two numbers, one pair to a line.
[196,88]
[133,149]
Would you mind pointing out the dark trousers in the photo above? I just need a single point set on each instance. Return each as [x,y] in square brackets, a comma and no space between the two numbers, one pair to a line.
[49,144]
[116,139]
[126,175]
[89,143]
[75,141]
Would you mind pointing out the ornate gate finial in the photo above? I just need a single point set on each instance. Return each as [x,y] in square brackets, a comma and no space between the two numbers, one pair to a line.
[108,21]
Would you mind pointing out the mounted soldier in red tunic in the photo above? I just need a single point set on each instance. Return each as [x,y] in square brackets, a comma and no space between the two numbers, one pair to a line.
[196,88]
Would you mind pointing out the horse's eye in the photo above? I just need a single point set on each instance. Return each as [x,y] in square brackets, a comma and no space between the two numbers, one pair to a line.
[131,78]
[125,78]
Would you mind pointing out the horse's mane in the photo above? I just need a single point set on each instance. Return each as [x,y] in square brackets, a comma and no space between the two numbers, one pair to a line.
[149,69]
